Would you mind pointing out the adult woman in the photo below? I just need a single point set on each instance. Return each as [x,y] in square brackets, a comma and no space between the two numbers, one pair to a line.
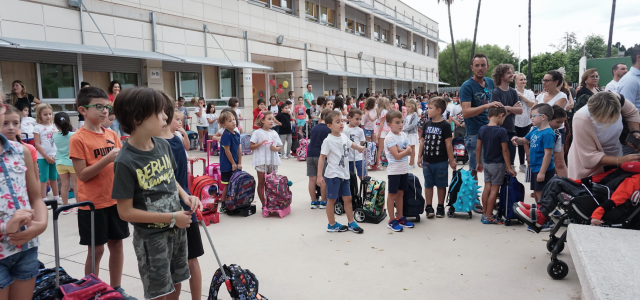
[589,83]
[523,121]
[114,90]
[552,82]
[19,95]
[597,144]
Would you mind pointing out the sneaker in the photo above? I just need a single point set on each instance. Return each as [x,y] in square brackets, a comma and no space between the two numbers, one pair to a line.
[337,227]
[556,214]
[525,216]
[440,212]
[353,226]
[490,220]
[393,225]
[125,295]
[412,166]
[478,209]
[430,212]
[285,157]
[523,169]
[314,204]
[322,205]
[547,226]
[404,223]
[223,209]
[59,200]
[68,211]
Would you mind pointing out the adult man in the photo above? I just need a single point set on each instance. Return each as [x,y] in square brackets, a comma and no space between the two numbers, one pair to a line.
[367,94]
[618,71]
[629,86]
[332,97]
[308,97]
[475,95]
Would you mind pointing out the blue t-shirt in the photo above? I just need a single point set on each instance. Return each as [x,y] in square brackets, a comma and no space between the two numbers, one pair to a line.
[471,91]
[180,156]
[229,140]
[538,141]
[424,105]
[492,138]
[318,134]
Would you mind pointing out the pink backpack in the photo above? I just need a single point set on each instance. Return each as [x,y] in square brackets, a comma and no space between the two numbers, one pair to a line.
[302,149]
[277,190]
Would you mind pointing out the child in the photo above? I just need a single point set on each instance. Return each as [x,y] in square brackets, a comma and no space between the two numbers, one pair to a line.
[356,135]
[350,103]
[233,103]
[559,116]
[492,139]
[394,103]
[27,123]
[230,142]
[202,123]
[411,128]
[92,150]
[340,107]
[434,154]
[262,106]
[336,176]
[275,109]
[318,134]
[182,109]
[369,118]
[424,103]
[11,130]
[212,120]
[21,205]
[300,112]
[383,129]
[148,195]
[109,120]
[43,137]
[315,112]
[63,163]
[396,149]
[327,104]
[284,118]
[264,160]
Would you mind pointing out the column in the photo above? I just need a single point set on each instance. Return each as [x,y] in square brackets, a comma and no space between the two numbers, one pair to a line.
[370,26]
[246,98]
[152,74]
[410,85]
[344,88]
[340,15]
[300,8]
[394,87]
[393,33]
[372,85]
[424,46]
[410,40]
[300,81]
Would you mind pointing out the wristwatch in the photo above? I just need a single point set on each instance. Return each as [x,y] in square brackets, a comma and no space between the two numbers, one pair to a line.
[173,220]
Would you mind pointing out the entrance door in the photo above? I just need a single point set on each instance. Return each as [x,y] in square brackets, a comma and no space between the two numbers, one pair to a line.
[259,83]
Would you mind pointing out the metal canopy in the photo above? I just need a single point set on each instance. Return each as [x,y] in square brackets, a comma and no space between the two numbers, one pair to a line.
[337,73]
[221,62]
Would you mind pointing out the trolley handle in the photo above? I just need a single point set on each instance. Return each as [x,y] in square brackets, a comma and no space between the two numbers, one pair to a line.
[58,210]
[56,241]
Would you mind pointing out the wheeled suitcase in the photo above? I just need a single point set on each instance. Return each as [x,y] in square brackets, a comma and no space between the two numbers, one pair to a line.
[413,201]
[193,140]
[245,143]
[511,192]
[277,195]
[303,145]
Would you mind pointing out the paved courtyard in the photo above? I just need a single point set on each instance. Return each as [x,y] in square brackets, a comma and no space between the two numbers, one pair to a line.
[295,258]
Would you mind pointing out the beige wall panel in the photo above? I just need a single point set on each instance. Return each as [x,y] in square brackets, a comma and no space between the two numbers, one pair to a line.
[211,82]
[169,82]
[97,79]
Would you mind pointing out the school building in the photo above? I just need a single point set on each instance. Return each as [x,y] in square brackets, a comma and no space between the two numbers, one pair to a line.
[216,49]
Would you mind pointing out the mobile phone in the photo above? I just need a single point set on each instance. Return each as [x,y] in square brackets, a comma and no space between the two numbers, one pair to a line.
[631,138]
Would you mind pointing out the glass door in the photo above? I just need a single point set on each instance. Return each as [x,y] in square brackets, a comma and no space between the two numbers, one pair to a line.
[280,84]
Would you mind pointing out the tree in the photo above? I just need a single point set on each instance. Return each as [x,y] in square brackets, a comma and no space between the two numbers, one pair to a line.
[494,53]
[475,32]
[595,47]
[453,44]
[572,64]
[543,63]
[529,78]
[613,13]
[568,41]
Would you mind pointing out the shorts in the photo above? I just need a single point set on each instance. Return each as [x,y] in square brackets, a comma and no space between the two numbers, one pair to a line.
[162,260]
[47,171]
[62,169]
[205,128]
[267,168]
[108,226]
[563,135]
[23,265]
[301,122]
[436,174]
[312,166]
[225,176]
[413,139]
[471,141]
[397,183]
[368,132]
[494,173]
[194,241]
[538,186]
[359,168]
[337,187]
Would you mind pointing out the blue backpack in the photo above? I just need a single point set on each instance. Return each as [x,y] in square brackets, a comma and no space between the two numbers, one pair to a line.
[511,192]
[463,191]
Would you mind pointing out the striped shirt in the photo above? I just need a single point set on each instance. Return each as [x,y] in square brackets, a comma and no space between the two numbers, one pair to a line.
[396,166]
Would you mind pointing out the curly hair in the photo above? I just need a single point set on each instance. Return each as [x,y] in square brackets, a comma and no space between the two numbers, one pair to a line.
[499,72]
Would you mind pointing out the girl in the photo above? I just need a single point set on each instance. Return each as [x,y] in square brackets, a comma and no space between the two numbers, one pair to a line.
[27,123]
[11,130]
[63,163]
[202,123]
[369,118]
[340,107]
[265,157]
[43,137]
[411,128]
[383,129]
[350,103]
[233,103]
[21,205]
[274,108]
[212,119]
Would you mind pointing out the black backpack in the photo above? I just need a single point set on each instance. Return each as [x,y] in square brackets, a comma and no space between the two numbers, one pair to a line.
[413,199]
[45,288]
[244,284]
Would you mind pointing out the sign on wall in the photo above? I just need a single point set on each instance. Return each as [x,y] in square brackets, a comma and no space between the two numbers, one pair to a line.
[155,73]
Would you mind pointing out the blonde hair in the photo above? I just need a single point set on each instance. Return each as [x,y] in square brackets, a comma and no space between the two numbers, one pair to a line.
[259,120]
[412,104]
[604,107]
[383,103]
[39,108]
[515,77]
[13,97]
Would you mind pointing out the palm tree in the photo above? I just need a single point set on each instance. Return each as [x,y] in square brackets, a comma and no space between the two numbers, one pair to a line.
[613,13]
[529,78]
[475,32]
[453,43]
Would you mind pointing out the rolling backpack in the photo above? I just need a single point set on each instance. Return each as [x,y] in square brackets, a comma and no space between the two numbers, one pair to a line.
[374,192]
[193,139]
[45,287]
[245,143]
[241,190]
[413,200]
[278,195]
[463,192]
[303,145]
[370,155]
[511,192]
[244,284]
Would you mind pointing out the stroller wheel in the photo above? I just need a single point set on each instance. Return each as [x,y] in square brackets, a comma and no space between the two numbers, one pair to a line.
[339,208]
[558,269]
[417,218]
[551,245]
[507,222]
[450,212]
[359,215]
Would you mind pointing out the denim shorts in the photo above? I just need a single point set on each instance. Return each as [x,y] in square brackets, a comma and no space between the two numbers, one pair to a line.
[360,171]
[368,132]
[20,266]
[436,175]
[337,187]
[205,128]
[471,141]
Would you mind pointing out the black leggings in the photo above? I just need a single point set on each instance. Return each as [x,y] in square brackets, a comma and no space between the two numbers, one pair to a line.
[522,132]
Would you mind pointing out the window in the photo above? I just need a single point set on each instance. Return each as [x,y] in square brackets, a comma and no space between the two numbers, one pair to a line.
[189,85]
[350,25]
[227,83]
[383,35]
[426,52]
[413,47]
[361,29]
[284,4]
[126,80]
[376,30]
[311,10]
[327,16]
[397,40]
[57,81]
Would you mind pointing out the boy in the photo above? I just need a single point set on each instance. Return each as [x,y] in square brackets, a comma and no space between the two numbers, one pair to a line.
[148,194]
[336,176]
[182,109]
[92,150]
[284,120]
[109,120]
[27,124]
[315,112]
[318,134]
[356,135]
[434,154]
[492,140]
[262,106]
[300,114]
[232,158]
[397,150]
[275,109]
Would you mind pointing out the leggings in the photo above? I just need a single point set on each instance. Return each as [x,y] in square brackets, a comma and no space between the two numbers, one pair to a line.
[285,138]
[522,132]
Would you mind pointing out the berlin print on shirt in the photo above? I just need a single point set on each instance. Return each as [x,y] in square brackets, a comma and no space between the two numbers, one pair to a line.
[432,140]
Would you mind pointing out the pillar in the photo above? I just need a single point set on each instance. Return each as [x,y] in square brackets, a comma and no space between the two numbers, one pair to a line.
[340,7]
[344,87]
[370,26]
[394,87]
[300,10]
[372,85]
[300,81]
[246,98]
[393,33]
[152,74]
[410,40]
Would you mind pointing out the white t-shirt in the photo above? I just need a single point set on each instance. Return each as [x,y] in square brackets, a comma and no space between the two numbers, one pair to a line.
[608,134]
[524,119]
[401,166]
[263,154]
[447,112]
[553,101]
[26,126]
[221,130]
[46,139]
[612,86]
[213,127]
[454,110]
[336,148]
[356,135]
[202,120]
[274,109]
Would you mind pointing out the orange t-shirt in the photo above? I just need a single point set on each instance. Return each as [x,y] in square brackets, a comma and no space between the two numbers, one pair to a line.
[92,147]
[33,151]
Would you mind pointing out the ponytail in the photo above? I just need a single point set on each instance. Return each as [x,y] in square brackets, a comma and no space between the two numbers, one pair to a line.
[61,120]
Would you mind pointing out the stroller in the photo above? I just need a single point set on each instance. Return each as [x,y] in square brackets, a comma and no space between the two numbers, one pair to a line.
[460,150]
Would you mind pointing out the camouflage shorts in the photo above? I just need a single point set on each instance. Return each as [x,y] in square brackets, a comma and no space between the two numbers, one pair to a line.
[162,260]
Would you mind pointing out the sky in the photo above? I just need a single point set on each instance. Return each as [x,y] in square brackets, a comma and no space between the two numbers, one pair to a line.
[550,19]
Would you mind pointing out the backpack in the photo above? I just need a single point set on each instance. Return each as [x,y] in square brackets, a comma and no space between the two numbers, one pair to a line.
[301,151]
[244,284]
[193,139]
[413,199]
[45,287]
[466,195]
[241,190]
[245,143]
[278,193]
[373,202]
[203,187]
[515,191]
[370,153]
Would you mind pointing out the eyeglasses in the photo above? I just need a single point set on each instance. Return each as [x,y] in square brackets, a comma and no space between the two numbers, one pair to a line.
[3,108]
[546,80]
[594,77]
[100,107]
[533,116]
